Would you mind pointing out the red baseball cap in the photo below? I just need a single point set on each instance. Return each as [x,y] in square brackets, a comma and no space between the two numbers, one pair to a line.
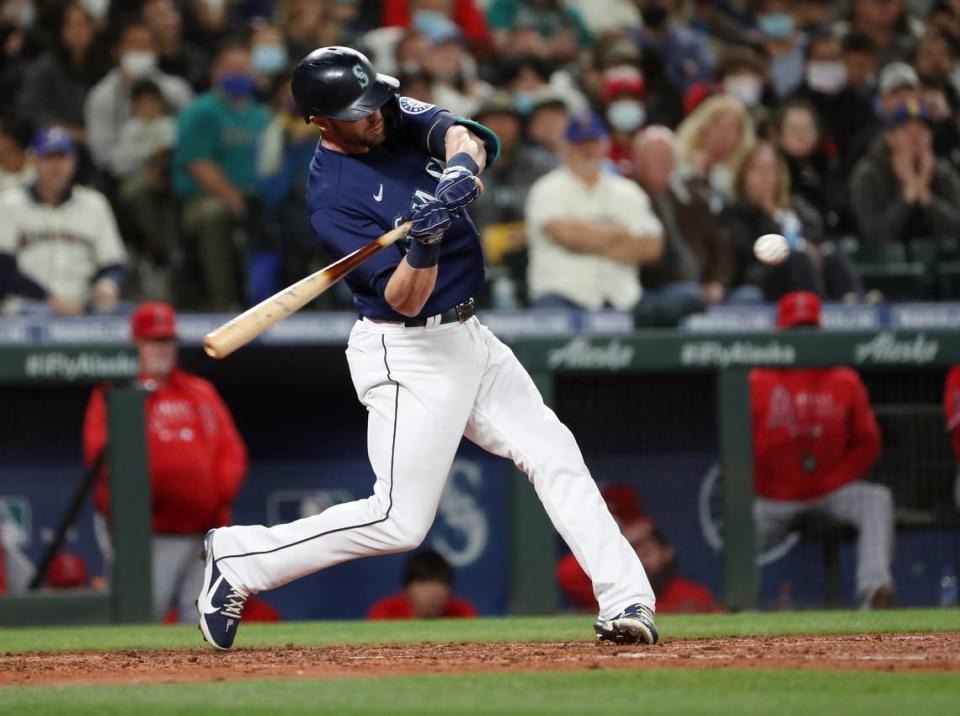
[153,320]
[798,308]
[66,571]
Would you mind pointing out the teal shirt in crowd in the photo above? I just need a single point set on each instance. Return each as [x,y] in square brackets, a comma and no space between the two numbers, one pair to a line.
[226,134]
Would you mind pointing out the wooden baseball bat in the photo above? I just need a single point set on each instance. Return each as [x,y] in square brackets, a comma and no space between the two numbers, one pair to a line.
[251,323]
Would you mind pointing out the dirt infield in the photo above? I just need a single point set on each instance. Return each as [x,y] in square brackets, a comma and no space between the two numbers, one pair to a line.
[870,652]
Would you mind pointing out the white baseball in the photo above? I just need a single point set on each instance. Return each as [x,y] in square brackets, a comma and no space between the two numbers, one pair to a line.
[771,249]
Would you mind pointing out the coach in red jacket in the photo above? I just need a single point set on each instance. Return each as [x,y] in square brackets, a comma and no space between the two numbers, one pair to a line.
[814,438]
[197,459]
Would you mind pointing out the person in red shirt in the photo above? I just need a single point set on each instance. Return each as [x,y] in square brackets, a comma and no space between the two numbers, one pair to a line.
[427,592]
[951,408]
[815,438]
[674,593]
[197,459]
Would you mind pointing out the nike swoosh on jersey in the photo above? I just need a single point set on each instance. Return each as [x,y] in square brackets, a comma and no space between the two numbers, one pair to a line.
[379,195]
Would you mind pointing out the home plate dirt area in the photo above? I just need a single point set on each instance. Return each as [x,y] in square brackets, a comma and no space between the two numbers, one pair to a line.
[938,652]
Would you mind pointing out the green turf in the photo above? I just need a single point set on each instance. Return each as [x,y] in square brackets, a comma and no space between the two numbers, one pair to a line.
[562,628]
[585,692]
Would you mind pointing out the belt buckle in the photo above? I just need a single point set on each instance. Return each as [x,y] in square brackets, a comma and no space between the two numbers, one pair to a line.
[464,310]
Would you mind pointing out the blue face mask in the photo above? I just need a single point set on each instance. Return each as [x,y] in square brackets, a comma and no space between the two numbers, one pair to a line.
[269,59]
[776,26]
[523,102]
[238,86]
[432,24]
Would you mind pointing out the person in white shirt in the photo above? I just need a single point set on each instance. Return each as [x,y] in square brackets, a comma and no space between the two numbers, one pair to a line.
[588,228]
[60,251]
[108,107]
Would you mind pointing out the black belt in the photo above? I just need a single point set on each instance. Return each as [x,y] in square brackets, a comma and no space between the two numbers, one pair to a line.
[458,314]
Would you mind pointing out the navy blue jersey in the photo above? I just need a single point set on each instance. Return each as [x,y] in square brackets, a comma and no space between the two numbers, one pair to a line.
[354,198]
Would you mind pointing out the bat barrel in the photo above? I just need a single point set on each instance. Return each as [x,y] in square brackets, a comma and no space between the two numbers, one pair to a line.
[251,323]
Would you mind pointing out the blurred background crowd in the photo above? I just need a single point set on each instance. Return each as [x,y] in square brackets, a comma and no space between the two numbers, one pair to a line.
[150,149]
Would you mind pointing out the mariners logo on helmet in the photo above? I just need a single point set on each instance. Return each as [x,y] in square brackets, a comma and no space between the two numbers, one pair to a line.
[361,74]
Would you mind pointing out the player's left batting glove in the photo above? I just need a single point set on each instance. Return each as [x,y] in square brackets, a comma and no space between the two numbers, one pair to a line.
[427,224]
[459,186]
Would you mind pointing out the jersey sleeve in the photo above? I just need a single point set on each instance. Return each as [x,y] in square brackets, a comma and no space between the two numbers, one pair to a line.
[424,125]
[343,231]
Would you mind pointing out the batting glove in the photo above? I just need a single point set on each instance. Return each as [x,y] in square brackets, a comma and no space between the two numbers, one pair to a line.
[428,222]
[459,186]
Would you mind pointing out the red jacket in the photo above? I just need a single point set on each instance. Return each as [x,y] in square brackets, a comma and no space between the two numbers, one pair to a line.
[197,459]
[813,431]
[951,407]
[398,606]
[675,596]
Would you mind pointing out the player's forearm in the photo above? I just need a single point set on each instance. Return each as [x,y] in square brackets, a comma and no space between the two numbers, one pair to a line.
[459,139]
[409,288]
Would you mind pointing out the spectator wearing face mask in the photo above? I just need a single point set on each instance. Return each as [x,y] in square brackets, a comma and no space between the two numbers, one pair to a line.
[783,44]
[215,173]
[108,106]
[419,15]
[825,77]
[742,74]
[623,92]
[268,55]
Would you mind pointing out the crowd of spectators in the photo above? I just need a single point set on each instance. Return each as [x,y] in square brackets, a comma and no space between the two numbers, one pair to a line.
[647,144]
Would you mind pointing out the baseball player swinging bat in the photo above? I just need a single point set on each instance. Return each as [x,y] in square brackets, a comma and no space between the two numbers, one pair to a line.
[425,367]
[251,323]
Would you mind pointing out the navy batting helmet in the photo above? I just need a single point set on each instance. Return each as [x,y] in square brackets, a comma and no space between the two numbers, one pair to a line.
[340,83]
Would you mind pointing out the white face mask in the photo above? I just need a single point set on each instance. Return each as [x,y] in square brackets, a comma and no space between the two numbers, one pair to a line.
[746,88]
[826,76]
[626,115]
[97,8]
[137,65]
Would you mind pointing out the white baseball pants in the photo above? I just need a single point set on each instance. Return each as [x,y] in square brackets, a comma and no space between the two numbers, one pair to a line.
[425,388]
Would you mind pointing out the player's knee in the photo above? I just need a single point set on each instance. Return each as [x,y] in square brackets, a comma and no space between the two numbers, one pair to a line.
[880,500]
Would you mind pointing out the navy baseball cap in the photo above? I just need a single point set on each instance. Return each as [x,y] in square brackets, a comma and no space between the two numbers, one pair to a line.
[586,127]
[907,111]
[52,140]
